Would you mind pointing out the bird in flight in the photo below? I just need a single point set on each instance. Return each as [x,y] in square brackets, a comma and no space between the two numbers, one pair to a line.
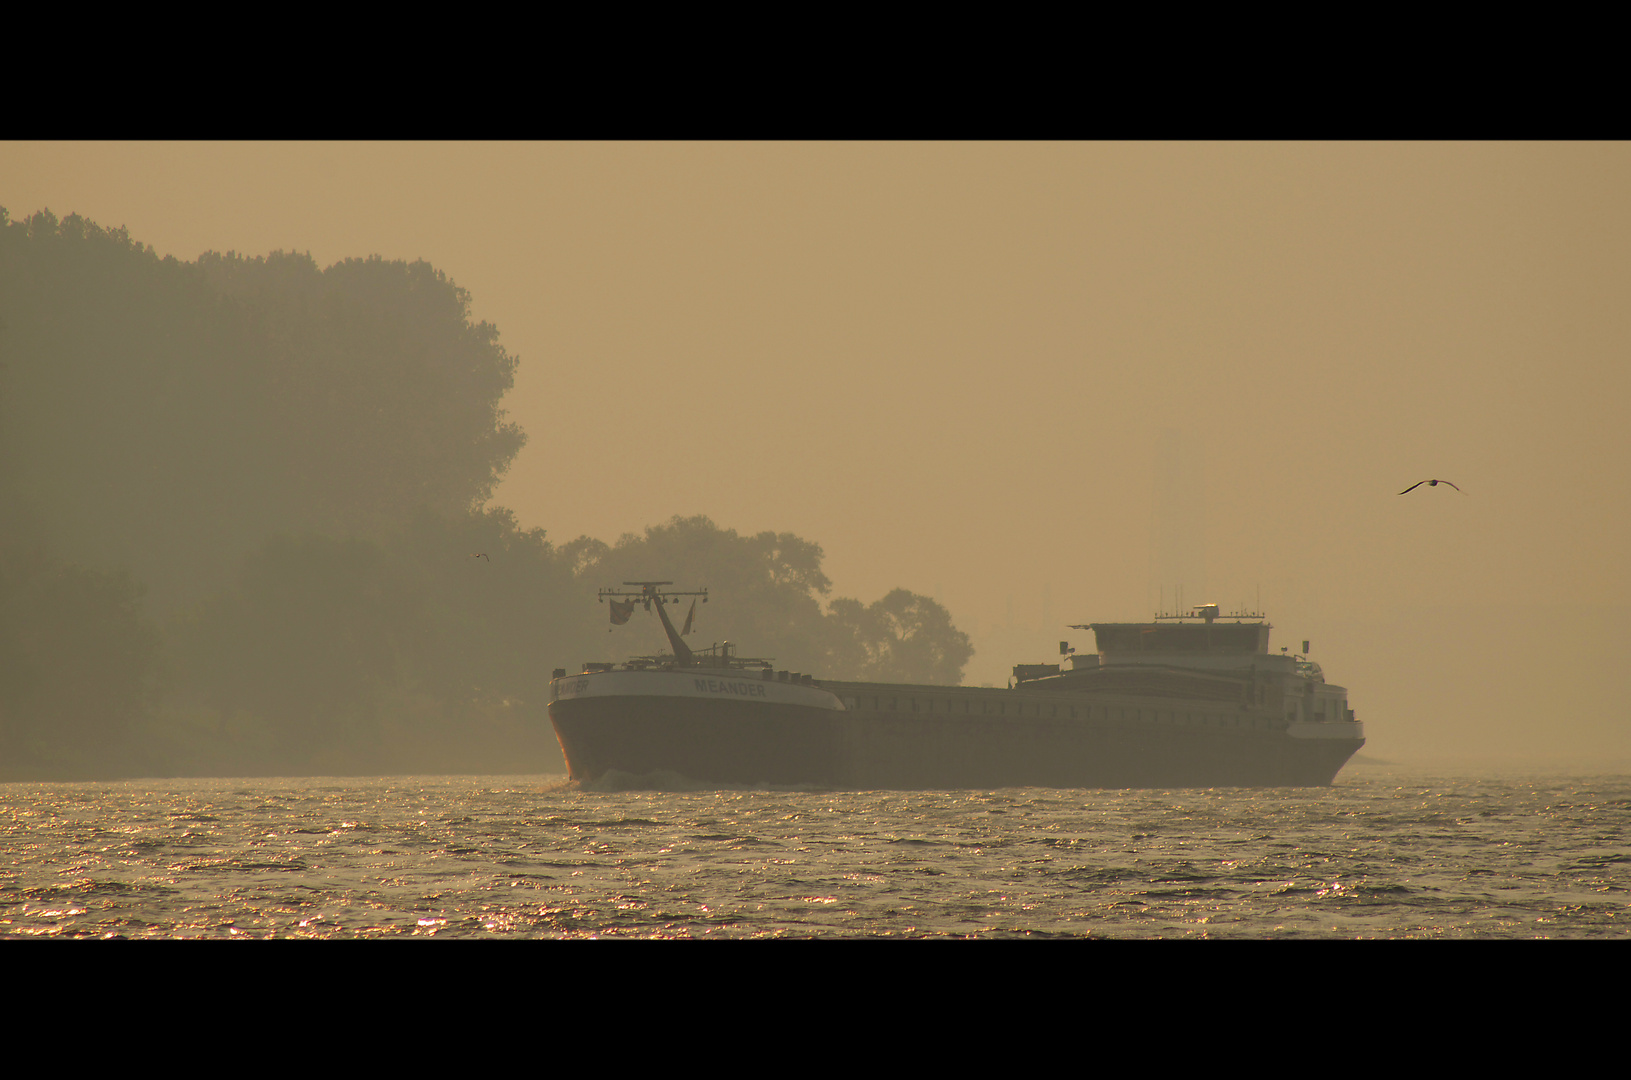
[1429,483]
[483,554]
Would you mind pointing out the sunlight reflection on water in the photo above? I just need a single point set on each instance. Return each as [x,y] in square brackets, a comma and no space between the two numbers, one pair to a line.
[1383,853]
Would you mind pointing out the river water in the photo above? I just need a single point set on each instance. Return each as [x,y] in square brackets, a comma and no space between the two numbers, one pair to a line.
[1387,852]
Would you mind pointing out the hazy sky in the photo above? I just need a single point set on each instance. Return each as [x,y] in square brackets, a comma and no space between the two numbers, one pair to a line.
[998,373]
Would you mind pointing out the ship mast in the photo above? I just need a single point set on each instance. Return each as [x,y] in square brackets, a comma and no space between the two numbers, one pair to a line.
[649,592]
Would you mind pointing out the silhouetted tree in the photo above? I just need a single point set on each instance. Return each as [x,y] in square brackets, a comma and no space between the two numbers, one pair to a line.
[169,416]
[378,363]
[291,461]
[902,638]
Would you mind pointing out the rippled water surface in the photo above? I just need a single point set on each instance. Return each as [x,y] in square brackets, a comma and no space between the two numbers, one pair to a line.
[1385,853]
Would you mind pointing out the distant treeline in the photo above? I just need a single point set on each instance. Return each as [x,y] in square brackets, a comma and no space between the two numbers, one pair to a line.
[241,501]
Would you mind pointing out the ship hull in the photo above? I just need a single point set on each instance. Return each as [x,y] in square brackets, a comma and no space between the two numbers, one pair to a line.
[878,736]
[1172,733]
[711,742]
[713,727]
[929,753]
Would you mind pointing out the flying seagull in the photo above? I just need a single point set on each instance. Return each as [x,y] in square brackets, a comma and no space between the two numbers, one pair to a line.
[1429,483]
[483,554]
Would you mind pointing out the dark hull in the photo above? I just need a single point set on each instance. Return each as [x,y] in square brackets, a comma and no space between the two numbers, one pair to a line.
[749,743]
[934,752]
[716,742]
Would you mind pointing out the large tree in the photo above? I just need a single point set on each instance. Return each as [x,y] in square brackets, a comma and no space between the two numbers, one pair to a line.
[291,461]
[385,392]
[162,421]
[169,416]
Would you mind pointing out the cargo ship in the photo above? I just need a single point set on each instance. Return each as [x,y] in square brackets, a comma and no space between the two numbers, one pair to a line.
[1187,700]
